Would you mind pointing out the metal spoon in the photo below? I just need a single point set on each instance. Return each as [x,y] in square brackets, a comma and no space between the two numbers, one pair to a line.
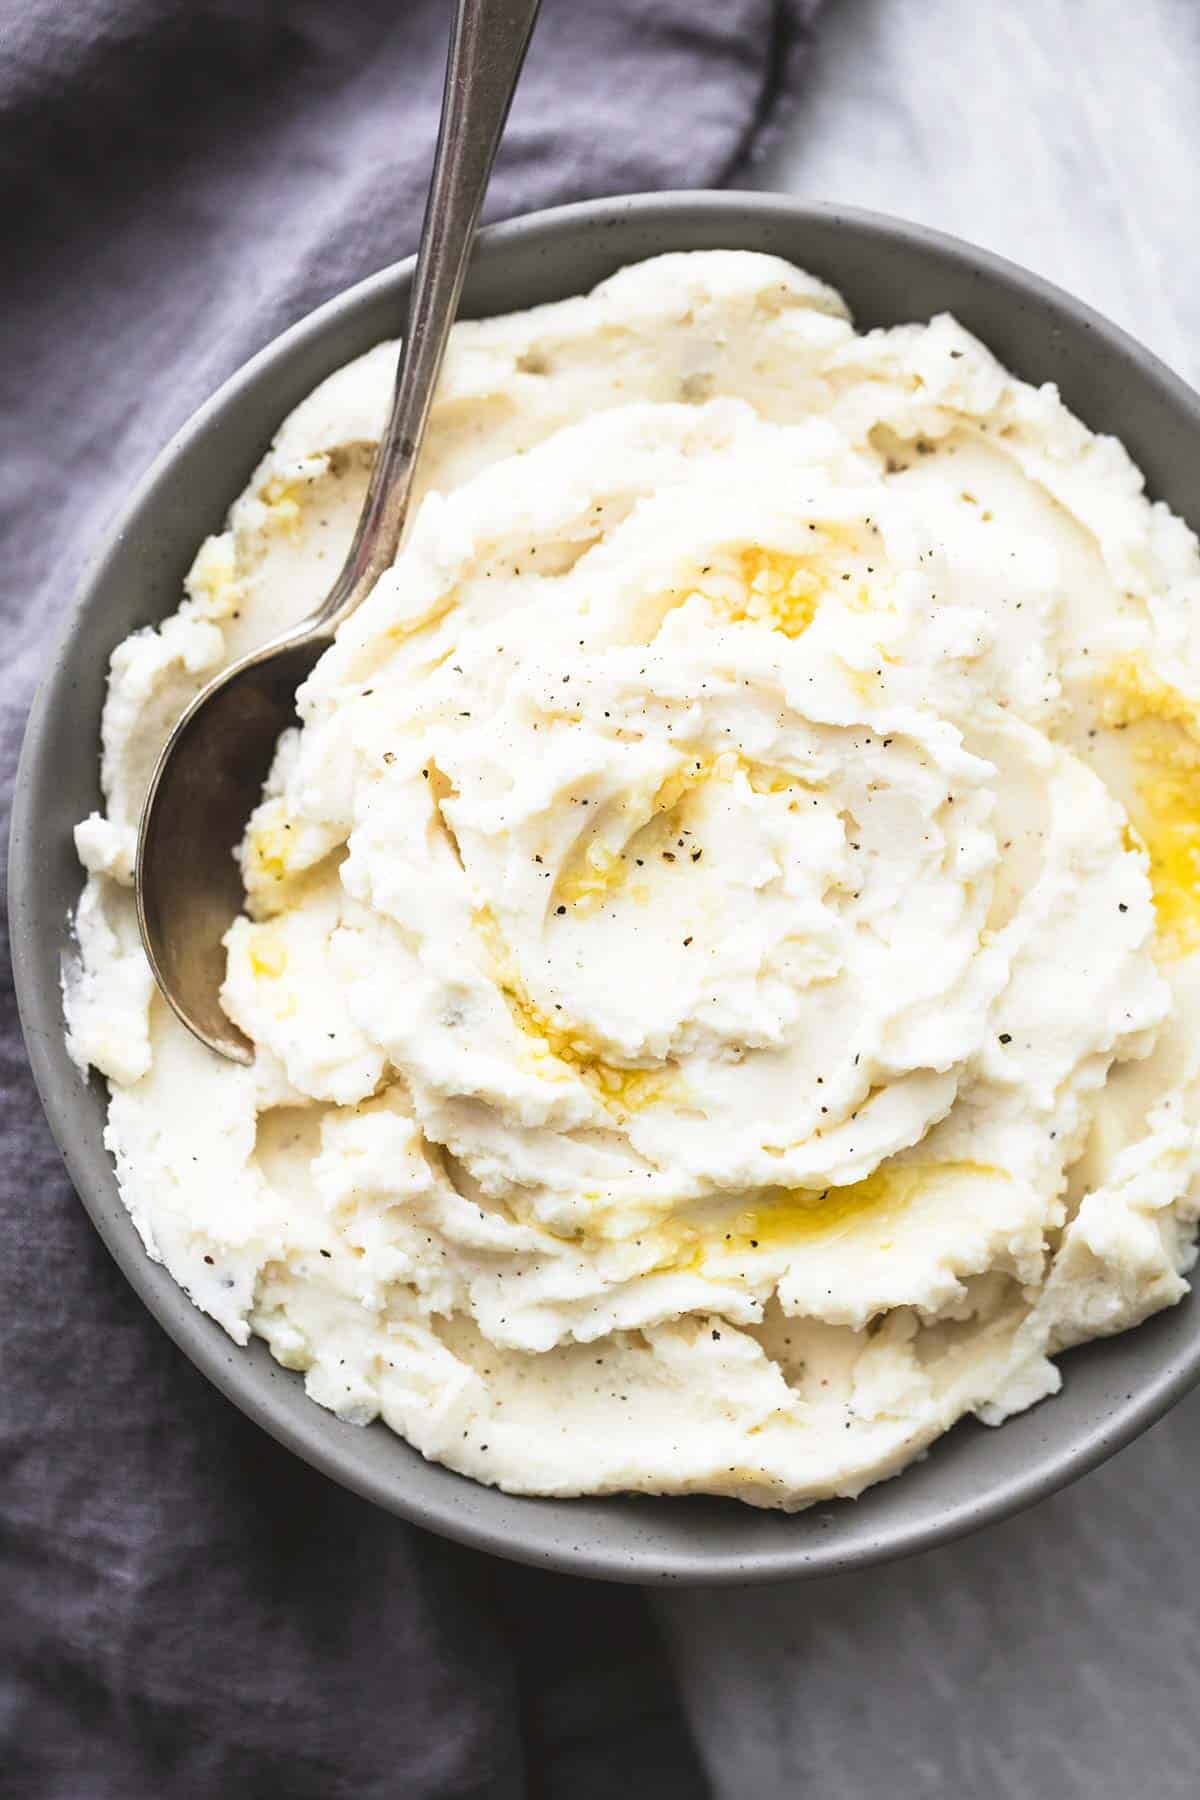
[209,777]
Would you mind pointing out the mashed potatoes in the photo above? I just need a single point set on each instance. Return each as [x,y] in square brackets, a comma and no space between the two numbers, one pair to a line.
[720,946]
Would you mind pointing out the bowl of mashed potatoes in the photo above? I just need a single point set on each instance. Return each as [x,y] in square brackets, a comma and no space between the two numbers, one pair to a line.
[720,941]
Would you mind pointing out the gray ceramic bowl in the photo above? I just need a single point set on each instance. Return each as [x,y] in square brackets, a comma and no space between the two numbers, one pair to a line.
[889,272]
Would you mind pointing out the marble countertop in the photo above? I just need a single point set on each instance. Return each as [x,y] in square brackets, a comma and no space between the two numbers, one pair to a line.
[1055,1656]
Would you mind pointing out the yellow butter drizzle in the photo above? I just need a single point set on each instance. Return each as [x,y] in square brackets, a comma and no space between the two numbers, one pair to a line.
[795,1216]
[268,844]
[282,500]
[559,1050]
[211,580]
[1167,815]
[780,589]
[599,872]
[755,585]
[266,951]
[277,877]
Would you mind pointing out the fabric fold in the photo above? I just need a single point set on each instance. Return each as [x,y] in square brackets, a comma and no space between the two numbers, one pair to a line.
[189,1610]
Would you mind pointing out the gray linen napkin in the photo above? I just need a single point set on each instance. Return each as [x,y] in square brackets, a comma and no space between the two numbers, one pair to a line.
[185,1610]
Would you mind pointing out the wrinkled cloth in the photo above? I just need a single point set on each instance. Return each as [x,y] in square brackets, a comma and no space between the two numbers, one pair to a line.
[185,1609]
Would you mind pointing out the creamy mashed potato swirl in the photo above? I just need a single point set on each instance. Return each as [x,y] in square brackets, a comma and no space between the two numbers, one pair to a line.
[719,944]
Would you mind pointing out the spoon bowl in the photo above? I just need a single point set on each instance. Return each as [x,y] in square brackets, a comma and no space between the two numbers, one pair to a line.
[188,882]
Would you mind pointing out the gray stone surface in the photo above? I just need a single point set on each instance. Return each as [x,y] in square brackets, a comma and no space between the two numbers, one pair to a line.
[1062,133]
[1057,1656]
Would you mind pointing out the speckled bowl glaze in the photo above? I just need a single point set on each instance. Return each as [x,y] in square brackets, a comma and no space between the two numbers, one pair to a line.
[889,271]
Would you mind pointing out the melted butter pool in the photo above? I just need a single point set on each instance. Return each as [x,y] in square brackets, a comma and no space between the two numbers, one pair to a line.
[1169,822]
[798,1216]
[559,1050]
[1165,735]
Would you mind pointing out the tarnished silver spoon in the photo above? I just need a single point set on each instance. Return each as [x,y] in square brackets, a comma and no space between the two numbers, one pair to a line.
[209,777]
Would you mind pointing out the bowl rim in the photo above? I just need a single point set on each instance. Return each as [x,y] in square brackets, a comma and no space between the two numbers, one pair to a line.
[225,1364]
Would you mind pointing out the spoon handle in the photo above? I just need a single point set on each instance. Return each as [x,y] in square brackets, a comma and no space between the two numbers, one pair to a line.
[488,40]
